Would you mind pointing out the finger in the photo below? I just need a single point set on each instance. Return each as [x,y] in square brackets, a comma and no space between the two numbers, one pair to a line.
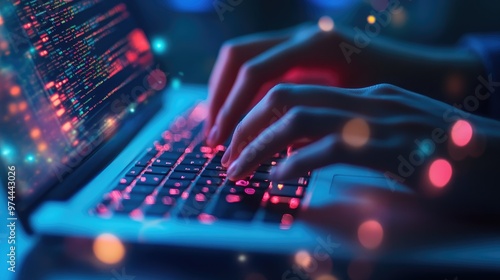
[329,150]
[230,59]
[268,66]
[298,123]
[282,98]
[306,159]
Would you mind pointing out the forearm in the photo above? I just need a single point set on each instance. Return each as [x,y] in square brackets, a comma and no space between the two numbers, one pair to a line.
[446,74]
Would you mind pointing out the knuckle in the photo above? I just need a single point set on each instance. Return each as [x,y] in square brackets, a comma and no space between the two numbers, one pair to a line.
[278,95]
[249,70]
[384,88]
[298,115]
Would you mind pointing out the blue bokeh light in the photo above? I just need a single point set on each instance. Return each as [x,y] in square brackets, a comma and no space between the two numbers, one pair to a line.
[159,45]
[190,5]
[331,4]
[176,83]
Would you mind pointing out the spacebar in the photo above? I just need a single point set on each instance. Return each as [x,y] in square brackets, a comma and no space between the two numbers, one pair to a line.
[237,206]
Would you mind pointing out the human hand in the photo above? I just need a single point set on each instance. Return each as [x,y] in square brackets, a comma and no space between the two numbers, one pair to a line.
[378,127]
[248,67]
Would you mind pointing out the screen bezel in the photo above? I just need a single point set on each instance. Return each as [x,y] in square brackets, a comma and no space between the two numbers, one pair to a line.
[103,153]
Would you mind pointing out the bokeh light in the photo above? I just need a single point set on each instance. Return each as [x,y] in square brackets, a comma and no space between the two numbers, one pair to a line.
[440,172]
[356,132]
[242,258]
[461,133]
[190,5]
[399,17]
[303,258]
[176,83]
[15,91]
[159,45]
[108,249]
[370,234]
[371,19]
[325,23]
[325,277]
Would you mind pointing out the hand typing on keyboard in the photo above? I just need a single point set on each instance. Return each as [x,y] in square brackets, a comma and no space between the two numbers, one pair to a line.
[179,176]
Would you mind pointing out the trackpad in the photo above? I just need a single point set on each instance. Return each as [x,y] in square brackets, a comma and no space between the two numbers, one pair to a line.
[344,183]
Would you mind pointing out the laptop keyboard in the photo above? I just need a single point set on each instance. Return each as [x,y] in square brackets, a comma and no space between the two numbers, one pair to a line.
[180,177]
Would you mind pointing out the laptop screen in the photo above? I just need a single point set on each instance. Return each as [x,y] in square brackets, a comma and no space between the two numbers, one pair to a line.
[70,72]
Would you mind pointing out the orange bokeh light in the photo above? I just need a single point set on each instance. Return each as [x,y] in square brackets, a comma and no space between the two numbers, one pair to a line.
[35,133]
[12,108]
[108,249]
[461,133]
[303,258]
[15,91]
[325,23]
[356,132]
[440,173]
[370,234]
[42,147]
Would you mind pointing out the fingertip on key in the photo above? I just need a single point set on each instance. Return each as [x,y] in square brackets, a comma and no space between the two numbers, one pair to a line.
[226,157]
[212,137]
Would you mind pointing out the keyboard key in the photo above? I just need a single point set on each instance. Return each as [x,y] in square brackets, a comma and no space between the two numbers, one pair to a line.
[215,166]
[152,151]
[182,175]
[160,170]
[134,171]
[214,173]
[205,189]
[277,207]
[171,192]
[171,155]
[194,161]
[163,162]
[287,190]
[126,180]
[238,206]
[260,177]
[150,179]
[260,185]
[195,156]
[137,195]
[195,204]
[188,168]
[204,181]
[127,205]
[161,206]
[144,161]
[240,190]
[144,189]
[301,181]
[158,210]
[181,184]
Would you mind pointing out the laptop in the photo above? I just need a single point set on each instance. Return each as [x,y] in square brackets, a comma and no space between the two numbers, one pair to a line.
[95,140]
